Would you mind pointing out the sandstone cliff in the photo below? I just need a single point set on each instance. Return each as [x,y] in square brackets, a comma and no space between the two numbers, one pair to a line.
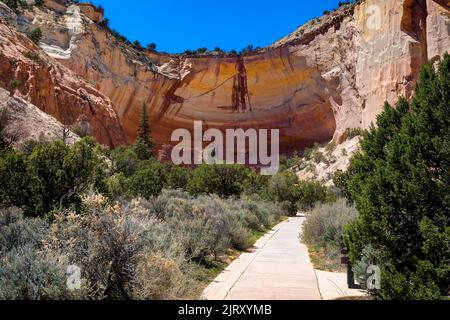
[28,122]
[331,74]
[54,88]
[326,161]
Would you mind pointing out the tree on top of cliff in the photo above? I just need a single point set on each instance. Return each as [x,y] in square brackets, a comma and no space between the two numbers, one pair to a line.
[144,133]
[400,183]
[202,50]
[104,23]
[11,3]
[151,46]
[137,45]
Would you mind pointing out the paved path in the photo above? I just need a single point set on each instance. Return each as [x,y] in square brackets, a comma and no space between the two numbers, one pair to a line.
[334,285]
[278,268]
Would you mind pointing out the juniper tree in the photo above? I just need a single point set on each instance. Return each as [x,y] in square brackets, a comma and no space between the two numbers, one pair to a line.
[400,183]
[144,133]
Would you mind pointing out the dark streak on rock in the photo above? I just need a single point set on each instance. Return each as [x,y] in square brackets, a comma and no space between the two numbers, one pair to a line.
[170,98]
[240,94]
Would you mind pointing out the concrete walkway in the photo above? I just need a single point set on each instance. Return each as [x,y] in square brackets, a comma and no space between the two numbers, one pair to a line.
[334,285]
[278,268]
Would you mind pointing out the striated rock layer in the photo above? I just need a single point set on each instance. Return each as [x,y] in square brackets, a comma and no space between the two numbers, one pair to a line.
[331,74]
[28,122]
[54,88]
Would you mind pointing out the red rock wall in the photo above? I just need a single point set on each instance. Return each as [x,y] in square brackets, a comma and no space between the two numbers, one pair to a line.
[332,74]
[55,89]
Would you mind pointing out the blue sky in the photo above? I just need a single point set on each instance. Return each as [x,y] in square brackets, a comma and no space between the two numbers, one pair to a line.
[176,25]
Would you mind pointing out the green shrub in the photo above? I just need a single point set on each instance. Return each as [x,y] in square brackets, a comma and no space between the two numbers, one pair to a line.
[197,230]
[240,236]
[329,148]
[177,177]
[297,195]
[35,35]
[161,278]
[256,184]
[210,225]
[190,231]
[318,156]
[124,160]
[354,132]
[26,274]
[27,270]
[282,188]
[294,161]
[32,55]
[340,180]
[126,250]
[135,174]
[143,151]
[53,175]
[309,193]
[324,225]
[369,256]
[117,186]
[323,232]
[16,231]
[148,180]
[222,179]
[308,152]
[19,186]
[399,183]
[105,243]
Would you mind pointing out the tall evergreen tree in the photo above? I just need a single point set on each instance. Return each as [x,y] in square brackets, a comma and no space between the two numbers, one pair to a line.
[144,128]
[400,183]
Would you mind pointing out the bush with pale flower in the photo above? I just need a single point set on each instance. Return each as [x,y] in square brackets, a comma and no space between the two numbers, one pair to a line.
[139,249]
